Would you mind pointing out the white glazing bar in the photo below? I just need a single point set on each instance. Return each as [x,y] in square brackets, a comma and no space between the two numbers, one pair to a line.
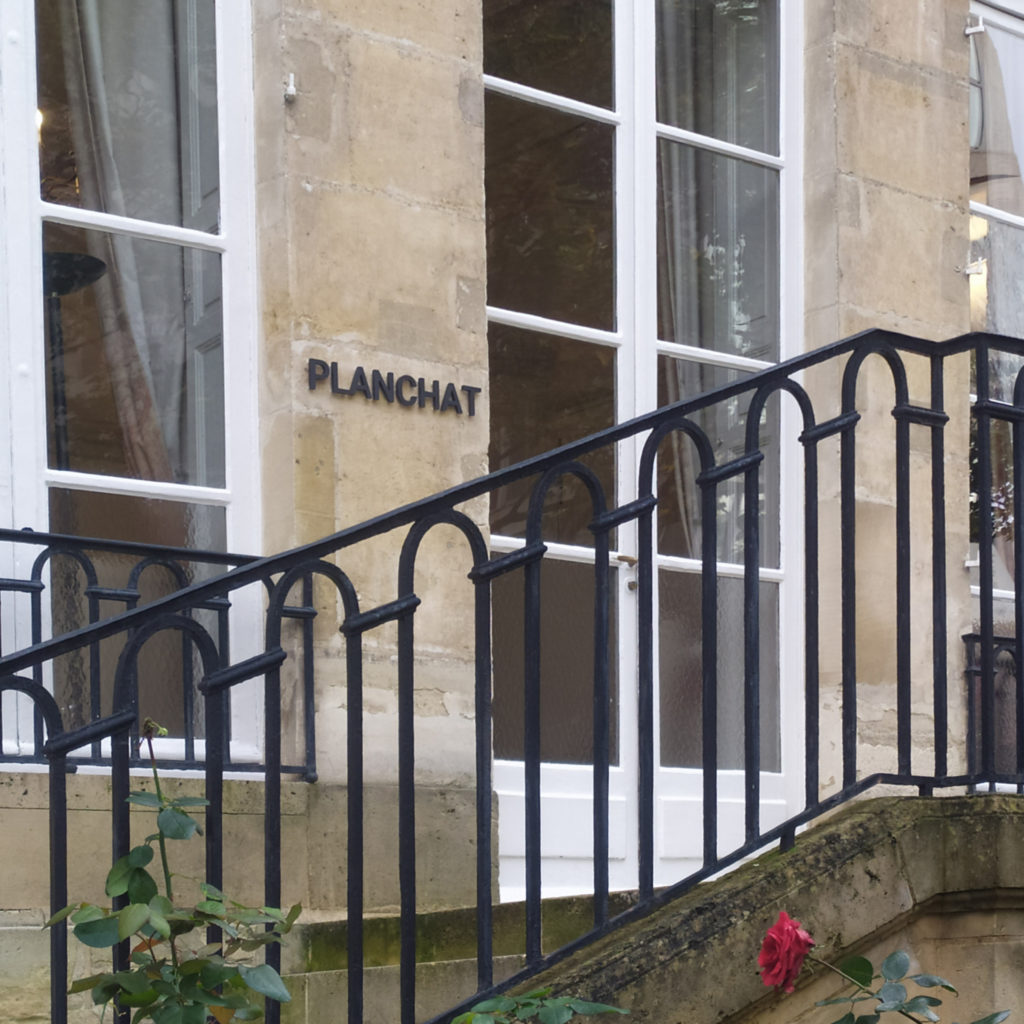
[545,325]
[150,230]
[550,99]
[136,488]
[752,156]
[693,353]
[993,213]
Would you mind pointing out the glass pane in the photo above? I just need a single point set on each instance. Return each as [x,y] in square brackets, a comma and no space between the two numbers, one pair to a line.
[567,664]
[549,213]
[134,357]
[718,252]
[560,46]
[85,688]
[545,392]
[997,259]
[127,94]
[681,667]
[997,118]
[718,71]
[679,499]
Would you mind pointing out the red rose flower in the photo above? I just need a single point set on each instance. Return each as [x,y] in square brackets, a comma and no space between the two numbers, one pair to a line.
[785,946]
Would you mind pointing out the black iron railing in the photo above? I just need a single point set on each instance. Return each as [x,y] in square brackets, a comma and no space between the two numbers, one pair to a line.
[833,448]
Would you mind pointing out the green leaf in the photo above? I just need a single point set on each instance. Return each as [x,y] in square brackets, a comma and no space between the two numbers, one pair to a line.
[141,886]
[145,998]
[87,912]
[846,1019]
[919,1001]
[500,1004]
[587,1009]
[117,877]
[555,1014]
[859,969]
[891,996]
[176,824]
[132,981]
[993,1018]
[159,923]
[895,966]
[131,918]
[84,984]
[868,1018]
[143,798]
[98,933]
[931,981]
[61,914]
[211,891]
[293,915]
[140,856]
[214,907]
[265,980]
[162,905]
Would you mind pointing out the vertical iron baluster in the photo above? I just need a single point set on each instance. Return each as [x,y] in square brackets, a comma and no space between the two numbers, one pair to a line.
[903,631]
[308,683]
[940,704]
[531,755]
[407,815]
[752,649]
[812,750]
[601,726]
[120,826]
[354,797]
[58,888]
[645,687]
[848,570]
[984,492]
[709,666]
[272,818]
[484,796]
[1018,574]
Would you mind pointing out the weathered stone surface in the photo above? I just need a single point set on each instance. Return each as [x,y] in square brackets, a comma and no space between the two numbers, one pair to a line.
[880,873]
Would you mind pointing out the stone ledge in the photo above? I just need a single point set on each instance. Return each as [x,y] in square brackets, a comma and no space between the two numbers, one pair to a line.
[867,872]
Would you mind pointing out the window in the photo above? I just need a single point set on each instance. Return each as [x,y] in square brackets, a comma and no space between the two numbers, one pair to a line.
[641,202]
[996,261]
[128,338]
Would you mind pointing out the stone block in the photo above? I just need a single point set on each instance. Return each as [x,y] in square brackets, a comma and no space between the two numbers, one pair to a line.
[890,118]
[449,28]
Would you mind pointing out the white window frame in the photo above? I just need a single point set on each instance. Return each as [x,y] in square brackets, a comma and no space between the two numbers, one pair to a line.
[637,132]
[25,477]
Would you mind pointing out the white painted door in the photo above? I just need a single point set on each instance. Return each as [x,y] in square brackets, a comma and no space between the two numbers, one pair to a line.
[642,190]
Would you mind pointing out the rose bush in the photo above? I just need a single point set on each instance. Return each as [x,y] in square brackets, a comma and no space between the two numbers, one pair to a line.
[787,946]
[783,952]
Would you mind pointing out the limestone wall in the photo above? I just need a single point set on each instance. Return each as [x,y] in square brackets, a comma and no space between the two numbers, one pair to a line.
[886,240]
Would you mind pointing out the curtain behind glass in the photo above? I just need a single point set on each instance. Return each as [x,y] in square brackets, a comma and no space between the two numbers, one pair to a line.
[127,92]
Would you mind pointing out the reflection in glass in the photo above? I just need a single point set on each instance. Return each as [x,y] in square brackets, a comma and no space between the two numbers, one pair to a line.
[717,72]
[141,520]
[997,118]
[549,213]
[718,252]
[135,373]
[547,391]
[560,46]
[567,664]
[679,498]
[127,91]
[681,666]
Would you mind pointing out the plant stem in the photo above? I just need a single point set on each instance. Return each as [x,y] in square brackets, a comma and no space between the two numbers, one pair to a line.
[148,732]
[863,988]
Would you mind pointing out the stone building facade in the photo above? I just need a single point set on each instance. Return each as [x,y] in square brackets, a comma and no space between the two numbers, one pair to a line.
[331,206]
